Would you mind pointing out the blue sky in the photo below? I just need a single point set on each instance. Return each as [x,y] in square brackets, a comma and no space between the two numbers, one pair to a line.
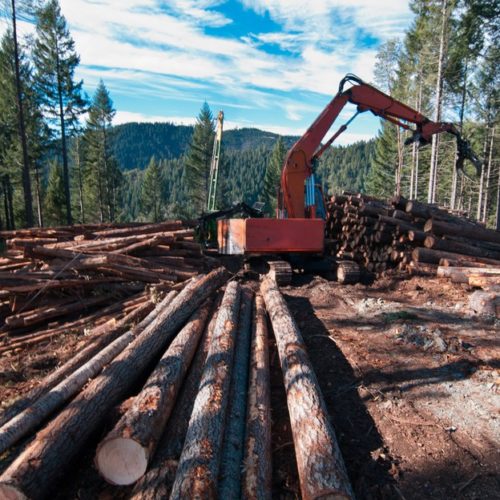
[271,64]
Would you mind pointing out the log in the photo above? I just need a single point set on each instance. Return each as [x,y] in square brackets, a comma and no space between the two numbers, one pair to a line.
[198,468]
[459,247]
[257,463]
[30,418]
[170,225]
[158,480]
[47,457]
[234,435]
[473,232]
[486,282]
[123,455]
[422,269]
[432,256]
[321,468]
[77,325]
[348,272]
[78,360]
[461,274]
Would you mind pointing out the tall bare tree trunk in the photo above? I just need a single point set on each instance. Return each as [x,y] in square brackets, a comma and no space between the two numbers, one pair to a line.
[454,181]
[488,178]
[431,195]
[80,179]
[497,215]
[38,188]
[481,182]
[62,122]
[28,202]
[399,170]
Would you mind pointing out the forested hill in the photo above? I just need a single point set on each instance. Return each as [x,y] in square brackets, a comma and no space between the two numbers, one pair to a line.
[135,143]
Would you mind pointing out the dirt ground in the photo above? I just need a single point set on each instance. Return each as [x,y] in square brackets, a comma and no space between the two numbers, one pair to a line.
[412,383]
[410,379]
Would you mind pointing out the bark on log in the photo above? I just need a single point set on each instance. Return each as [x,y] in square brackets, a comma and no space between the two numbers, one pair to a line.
[234,435]
[486,282]
[79,359]
[30,418]
[464,230]
[459,247]
[158,480]
[461,274]
[36,469]
[123,455]
[257,463]
[320,464]
[432,256]
[348,272]
[35,317]
[199,463]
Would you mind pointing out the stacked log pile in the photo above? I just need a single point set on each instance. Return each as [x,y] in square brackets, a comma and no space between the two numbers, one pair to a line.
[409,236]
[56,280]
[200,426]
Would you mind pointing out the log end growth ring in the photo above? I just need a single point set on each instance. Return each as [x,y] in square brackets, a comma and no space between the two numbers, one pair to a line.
[121,461]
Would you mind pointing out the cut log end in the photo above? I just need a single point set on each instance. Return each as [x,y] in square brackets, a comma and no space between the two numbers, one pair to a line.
[121,461]
[348,272]
[10,492]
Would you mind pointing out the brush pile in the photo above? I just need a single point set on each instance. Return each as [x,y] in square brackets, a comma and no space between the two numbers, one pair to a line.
[192,382]
[408,235]
[56,280]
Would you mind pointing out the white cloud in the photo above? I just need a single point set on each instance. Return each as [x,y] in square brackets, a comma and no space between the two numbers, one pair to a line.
[160,50]
[130,116]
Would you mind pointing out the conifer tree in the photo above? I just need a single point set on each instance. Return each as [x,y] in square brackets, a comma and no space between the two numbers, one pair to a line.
[198,160]
[55,61]
[55,198]
[272,177]
[151,197]
[102,174]
[11,144]
[380,180]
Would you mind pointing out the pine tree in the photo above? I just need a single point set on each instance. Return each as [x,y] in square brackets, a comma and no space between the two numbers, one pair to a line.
[102,175]
[19,84]
[380,180]
[198,160]
[152,189]
[55,199]
[55,61]
[272,177]
[11,146]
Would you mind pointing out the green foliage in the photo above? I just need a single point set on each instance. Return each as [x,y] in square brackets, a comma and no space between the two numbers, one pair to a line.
[11,158]
[55,61]
[345,167]
[152,198]
[198,160]
[272,177]
[103,176]
[381,178]
[55,199]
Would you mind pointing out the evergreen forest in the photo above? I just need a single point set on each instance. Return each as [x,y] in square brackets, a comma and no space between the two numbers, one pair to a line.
[63,161]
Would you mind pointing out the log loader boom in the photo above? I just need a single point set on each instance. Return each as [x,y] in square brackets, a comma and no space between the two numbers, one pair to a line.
[299,226]
[295,201]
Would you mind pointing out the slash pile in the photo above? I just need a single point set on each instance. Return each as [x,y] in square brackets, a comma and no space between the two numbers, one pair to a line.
[198,423]
[56,280]
[407,235]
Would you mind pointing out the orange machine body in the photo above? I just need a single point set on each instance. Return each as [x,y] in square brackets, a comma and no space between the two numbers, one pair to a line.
[298,227]
[270,236]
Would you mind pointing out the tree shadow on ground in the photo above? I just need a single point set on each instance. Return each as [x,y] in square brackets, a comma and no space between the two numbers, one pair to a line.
[356,431]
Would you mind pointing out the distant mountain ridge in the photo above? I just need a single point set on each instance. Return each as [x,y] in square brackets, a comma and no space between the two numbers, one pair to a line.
[135,143]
